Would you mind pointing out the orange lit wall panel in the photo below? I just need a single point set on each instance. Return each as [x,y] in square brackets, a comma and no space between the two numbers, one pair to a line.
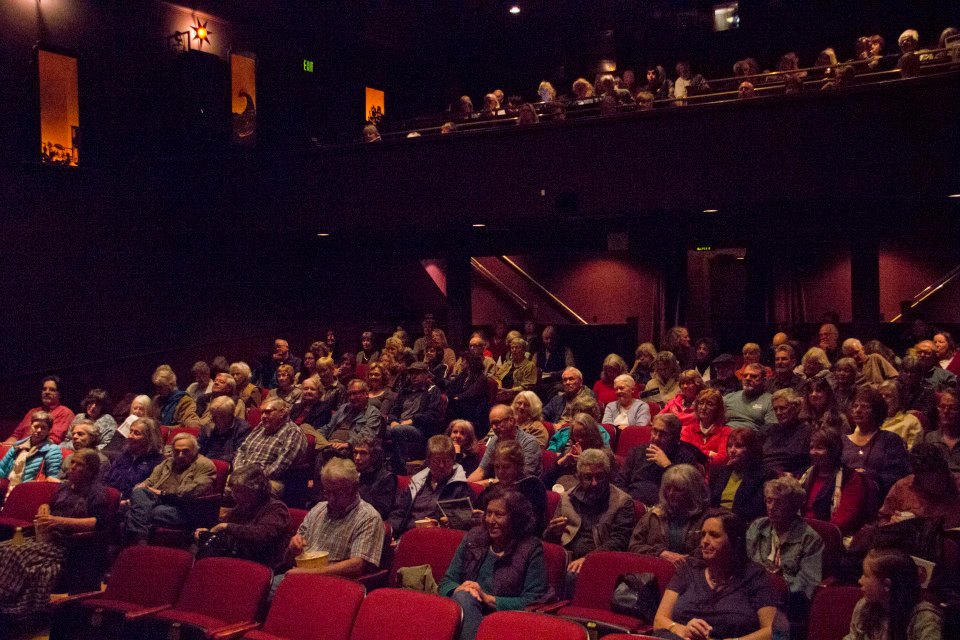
[59,108]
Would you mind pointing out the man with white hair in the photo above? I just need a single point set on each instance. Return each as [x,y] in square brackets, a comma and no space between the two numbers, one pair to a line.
[345,526]
[224,385]
[165,497]
[173,406]
[222,437]
[560,407]
[873,367]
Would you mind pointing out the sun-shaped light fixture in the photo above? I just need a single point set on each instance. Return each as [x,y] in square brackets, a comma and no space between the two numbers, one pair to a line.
[201,33]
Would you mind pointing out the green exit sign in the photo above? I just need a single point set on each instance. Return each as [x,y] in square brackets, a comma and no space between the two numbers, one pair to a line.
[705,248]
[308,66]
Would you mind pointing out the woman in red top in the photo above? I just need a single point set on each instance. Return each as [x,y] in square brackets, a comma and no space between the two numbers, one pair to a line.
[835,493]
[613,366]
[684,404]
[709,433]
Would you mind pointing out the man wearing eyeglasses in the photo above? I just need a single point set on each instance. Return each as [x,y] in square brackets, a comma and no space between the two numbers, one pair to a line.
[504,426]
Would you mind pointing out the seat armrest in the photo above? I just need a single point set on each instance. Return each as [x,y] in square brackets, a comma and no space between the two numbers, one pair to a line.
[374,580]
[73,599]
[143,613]
[231,630]
[552,607]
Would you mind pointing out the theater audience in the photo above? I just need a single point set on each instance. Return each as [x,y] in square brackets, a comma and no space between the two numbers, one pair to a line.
[477,346]
[710,432]
[815,364]
[504,424]
[704,352]
[946,350]
[904,424]
[820,409]
[222,437]
[644,357]
[916,394]
[172,406]
[499,565]
[721,595]
[592,515]
[603,389]
[552,357]
[142,452]
[560,407]
[872,368]
[33,455]
[286,388]
[528,413]
[891,606]
[626,410]
[345,526]
[845,374]
[61,416]
[202,383]
[380,395]
[751,408]
[97,407]
[414,417]
[671,528]
[467,391]
[572,440]
[464,438]
[255,528]
[947,434]
[140,407]
[353,418]
[663,384]
[275,446]
[724,378]
[935,375]
[223,386]
[786,444]
[835,493]
[737,484]
[165,497]
[29,571]
[441,479]
[509,474]
[433,357]
[880,454]
[308,412]
[684,404]
[782,543]
[246,390]
[641,473]
[378,485]
[930,491]
[517,373]
[84,435]
[784,376]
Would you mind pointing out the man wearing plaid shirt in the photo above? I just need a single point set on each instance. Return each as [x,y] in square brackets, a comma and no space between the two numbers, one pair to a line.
[275,446]
[345,526]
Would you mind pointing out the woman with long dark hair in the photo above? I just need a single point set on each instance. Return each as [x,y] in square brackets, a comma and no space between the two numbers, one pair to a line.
[737,483]
[820,406]
[722,594]
[835,493]
[891,607]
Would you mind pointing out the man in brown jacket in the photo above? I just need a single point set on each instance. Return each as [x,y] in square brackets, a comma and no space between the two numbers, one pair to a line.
[593,514]
[164,498]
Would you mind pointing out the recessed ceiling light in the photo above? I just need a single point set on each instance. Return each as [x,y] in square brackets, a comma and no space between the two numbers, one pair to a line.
[323,235]
[478,225]
[514,10]
[711,210]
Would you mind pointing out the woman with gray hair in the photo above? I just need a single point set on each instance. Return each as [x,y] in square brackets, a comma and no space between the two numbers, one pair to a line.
[671,529]
[626,410]
[255,529]
[784,544]
[517,373]
[528,412]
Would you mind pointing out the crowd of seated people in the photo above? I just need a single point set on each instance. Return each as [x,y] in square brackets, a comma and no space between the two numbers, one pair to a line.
[609,94]
[733,457]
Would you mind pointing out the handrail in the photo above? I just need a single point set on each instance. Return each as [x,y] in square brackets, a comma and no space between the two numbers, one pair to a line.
[931,289]
[494,280]
[554,299]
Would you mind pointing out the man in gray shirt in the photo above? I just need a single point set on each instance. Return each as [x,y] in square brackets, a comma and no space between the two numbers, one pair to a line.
[752,407]
[504,426]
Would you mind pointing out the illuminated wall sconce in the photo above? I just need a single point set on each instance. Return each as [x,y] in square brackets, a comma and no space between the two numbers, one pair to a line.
[182,40]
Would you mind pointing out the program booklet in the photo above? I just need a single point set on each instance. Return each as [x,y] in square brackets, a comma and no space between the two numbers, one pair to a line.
[459,513]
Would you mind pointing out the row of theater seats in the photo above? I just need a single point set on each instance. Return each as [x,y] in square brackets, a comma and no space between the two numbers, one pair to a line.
[226,598]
